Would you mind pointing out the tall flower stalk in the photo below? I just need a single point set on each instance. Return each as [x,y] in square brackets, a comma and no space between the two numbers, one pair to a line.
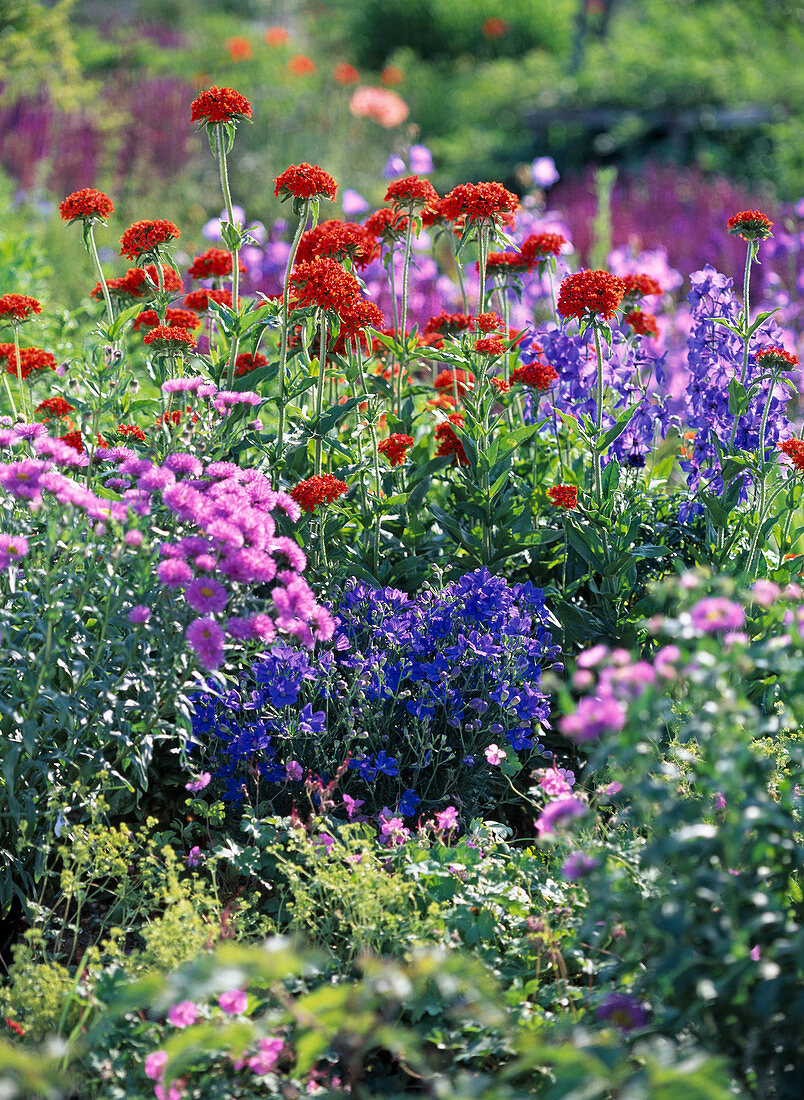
[285,323]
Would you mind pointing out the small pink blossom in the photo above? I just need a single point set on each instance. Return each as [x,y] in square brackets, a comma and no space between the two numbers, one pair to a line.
[233,1002]
[447,819]
[494,754]
[183,1014]
[266,1059]
[196,785]
[155,1065]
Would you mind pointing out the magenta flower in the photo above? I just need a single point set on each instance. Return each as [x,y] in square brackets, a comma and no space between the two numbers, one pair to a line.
[155,1065]
[393,831]
[173,572]
[194,856]
[352,805]
[494,754]
[205,638]
[206,595]
[133,538]
[139,614]
[447,819]
[558,813]
[578,865]
[593,718]
[12,549]
[715,613]
[183,1014]
[293,770]
[622,1011]
[196,785]
[233,1002]
[266,1059]
[554,784]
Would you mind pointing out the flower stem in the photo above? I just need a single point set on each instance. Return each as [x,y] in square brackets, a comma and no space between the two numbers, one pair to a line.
[749,255]
[376,457]
[227,198]
[319,392]
[404,316]
[93,251]
[598,418]
[761,455]
[284,332]
[18,365]
[482,257]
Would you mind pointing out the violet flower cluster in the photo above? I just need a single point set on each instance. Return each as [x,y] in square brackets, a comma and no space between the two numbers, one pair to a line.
[408,695]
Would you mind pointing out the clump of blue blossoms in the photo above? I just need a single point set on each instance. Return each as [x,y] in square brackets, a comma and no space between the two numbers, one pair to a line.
[407,696]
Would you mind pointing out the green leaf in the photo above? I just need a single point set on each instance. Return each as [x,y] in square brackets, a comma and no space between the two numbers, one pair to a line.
[738,397]
[122,320]
[617,429]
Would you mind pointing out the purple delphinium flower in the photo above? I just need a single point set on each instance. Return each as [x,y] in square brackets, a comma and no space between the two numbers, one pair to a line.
[194,856]
[715,613]
[353,203]
[622,1011]
[293,770]
[394,167]
[420,159]
[205,638]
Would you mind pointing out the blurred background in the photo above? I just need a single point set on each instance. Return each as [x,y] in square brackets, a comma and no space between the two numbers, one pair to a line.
[692,109]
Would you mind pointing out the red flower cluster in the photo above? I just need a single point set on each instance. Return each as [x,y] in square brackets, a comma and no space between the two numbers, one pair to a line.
[199,299]
[776,358]
[640,286]
[305,181]
[494,27]
[500,384]
[490,322]
[643,324]
[356,316]
[586,292]
[169,338]
[54,407]
[490,345]
[213,263]
[146,236]
[386,225]
[174,318]
[31,359]
[395,447]
[463,379]
[134,283]
[74,440]
[131,431]
[479,202]
[345,73]
[751,225]
[794,449]
[448,442]
[88,203]
[564,496]
[540,245]
[411,193]
[246,362]
[448,324]
[322,284]
[18,307]
[338,240]
[537,375]
[219,105]
[501,264]
[319,489]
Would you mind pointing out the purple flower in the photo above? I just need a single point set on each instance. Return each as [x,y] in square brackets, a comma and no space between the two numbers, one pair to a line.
[183,463]
[622,1011]
[447,819]
[194,856]
[420,159]
[183,1014]
[205,638]
[325,841]
[12,548]
[578,865]
[394,167]
[266,1059]
[353,203]
[593,717]
[139,614]
[293,770]
[352,805]
[206,595]
[196,785]
[558,813]
[716,613]
[233,1002]
[543,171]
[174,572]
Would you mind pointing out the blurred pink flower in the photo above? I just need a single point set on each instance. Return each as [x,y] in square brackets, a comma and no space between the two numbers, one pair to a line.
[385,107]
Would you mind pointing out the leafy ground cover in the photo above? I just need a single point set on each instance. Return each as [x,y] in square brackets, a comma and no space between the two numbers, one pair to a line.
[402,654]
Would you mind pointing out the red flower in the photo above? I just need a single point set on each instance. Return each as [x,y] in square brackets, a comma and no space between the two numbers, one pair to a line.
[239,49]
[345,73]
[305,181]
[300,65]
[74,440]
[643,324]
[220,105]
[386,225]
[322,284]
[131,431]
[276,36]
[494,27]
[167,338]
[411,193]
[794,449]
[478,201]
[15,308]
[448,442]
[174,318]
[246,362]
[319,489]
[448,324]
[12,1025]
[500,384]
[144,237]
[502,264]
[338,240]
[776,358]
[213,263]
[199,299]
[537,375]
[357,315]
[490,322]
[586,292]
[751,225]
[86,203]
[395,447]
[31,359]
[171,277]
[54,407]
[391,75]
[490,345]
[540,245]
[640,286]
[564,496]
[463,379]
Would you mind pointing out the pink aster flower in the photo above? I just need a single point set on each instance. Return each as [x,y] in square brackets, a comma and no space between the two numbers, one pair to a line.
[205,638]
[174,572]
[765,592]
[183,1014]
[12,549]
[715,613]
[206,595]
[133,538]
[139,614]
[233,1002]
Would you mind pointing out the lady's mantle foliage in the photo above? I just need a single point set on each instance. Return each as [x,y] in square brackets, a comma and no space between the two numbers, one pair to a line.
[412,688]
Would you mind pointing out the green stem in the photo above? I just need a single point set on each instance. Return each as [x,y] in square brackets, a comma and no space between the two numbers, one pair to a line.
[18,365]
[284,332]
[746,339]
[227,198]
[404,316]
[598,418]
[761,457]
[483,255]
[93,251]
[319,392]
[376,457]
